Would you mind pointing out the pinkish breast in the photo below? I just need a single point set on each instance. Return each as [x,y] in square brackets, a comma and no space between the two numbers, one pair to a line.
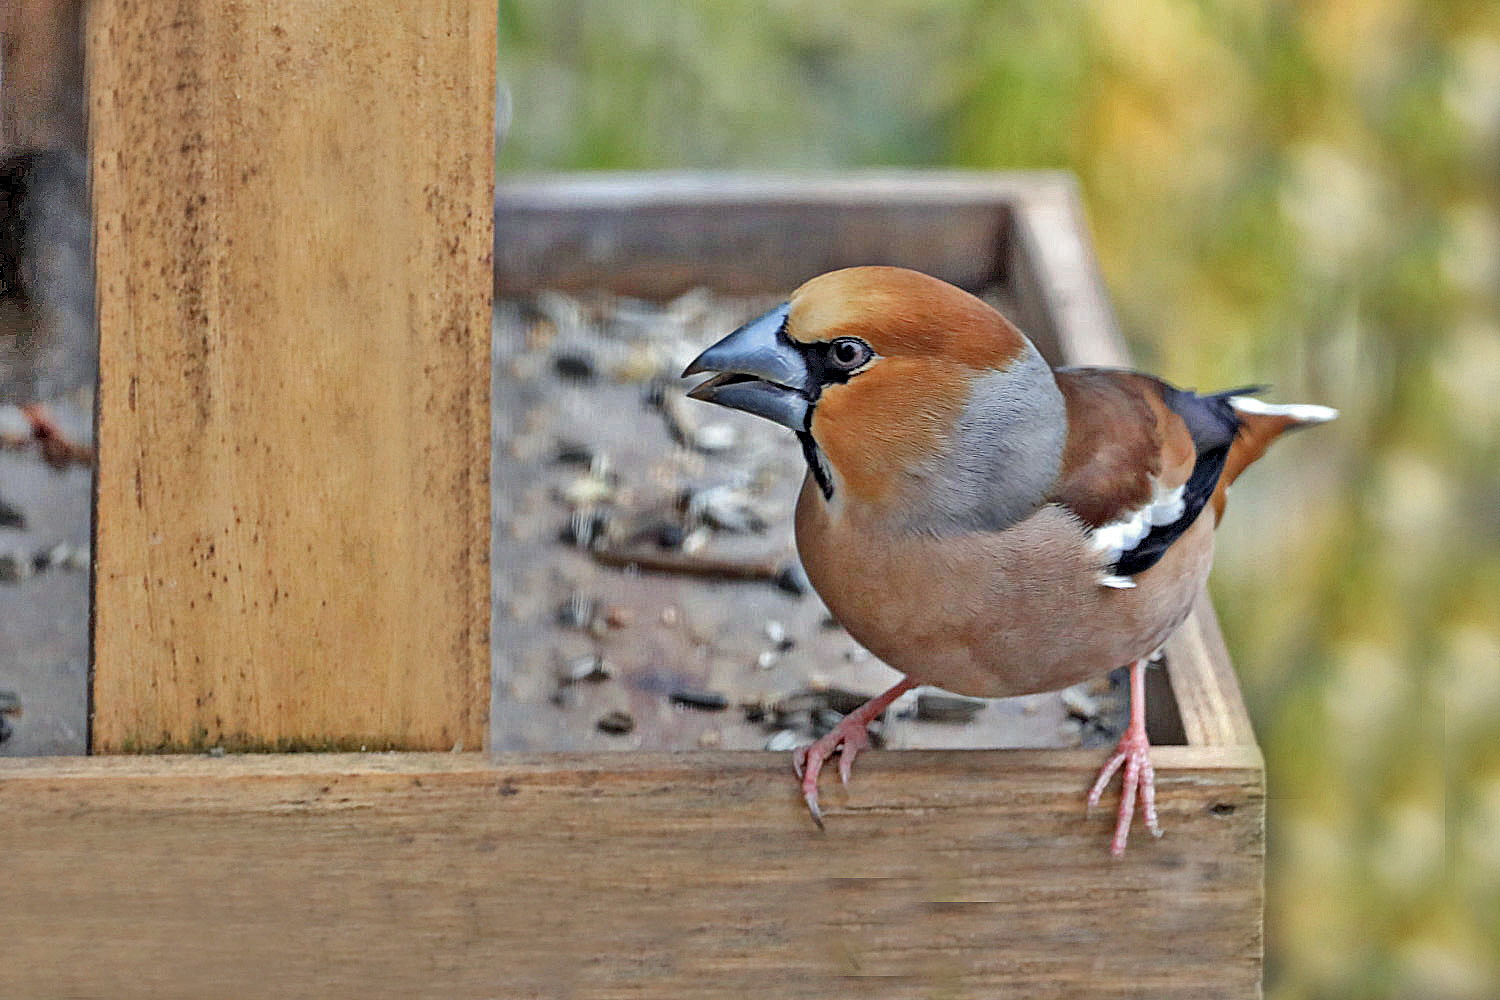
[994,614]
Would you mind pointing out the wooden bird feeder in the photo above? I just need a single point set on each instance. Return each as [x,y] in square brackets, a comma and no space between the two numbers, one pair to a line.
[293,220]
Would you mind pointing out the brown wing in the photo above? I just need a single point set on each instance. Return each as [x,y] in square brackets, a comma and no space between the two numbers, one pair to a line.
[1124,441]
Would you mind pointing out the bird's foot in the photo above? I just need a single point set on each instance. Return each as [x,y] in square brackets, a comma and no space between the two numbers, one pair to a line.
[1138,777]
[846,739]
[1134,754]
[59,450]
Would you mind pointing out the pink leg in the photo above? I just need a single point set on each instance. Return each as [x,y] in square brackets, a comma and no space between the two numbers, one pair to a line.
[1134,752]
[58,449]
[847,739]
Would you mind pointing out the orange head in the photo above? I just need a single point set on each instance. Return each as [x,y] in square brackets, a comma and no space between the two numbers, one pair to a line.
[908,393]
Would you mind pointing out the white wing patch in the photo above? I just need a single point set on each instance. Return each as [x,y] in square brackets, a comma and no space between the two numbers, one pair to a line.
[1118,537]
[1303,413]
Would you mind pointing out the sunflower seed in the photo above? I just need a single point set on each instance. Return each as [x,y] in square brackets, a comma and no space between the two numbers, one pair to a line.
[616,723]
[708,701]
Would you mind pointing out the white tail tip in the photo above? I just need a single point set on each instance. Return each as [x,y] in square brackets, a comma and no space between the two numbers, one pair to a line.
[1303,413]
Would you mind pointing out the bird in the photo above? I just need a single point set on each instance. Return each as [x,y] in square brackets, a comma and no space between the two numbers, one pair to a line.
[48,344]
[977,519]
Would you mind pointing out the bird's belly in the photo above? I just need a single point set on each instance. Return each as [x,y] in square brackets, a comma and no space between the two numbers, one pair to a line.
[1000,613]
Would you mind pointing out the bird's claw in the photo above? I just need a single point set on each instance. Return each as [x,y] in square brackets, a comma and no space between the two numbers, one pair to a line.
[846,739]
[846,761]
[1134,754]
[811,798]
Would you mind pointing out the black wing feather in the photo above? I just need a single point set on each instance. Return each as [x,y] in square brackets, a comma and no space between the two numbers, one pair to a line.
[1213,425]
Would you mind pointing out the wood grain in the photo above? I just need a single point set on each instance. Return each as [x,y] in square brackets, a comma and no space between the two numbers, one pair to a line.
[645,875]
[293,242]
[1204,683]
[660,234]
[1053,259]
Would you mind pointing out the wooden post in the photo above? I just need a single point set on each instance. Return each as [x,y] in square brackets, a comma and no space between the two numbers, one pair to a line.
[293,228]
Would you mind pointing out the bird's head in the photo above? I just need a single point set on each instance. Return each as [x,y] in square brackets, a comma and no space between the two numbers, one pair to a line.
[890,376]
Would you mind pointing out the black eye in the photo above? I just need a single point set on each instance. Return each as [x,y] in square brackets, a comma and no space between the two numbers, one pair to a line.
[849,353]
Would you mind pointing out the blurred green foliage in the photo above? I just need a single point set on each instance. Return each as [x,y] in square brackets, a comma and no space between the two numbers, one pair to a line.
[1305,194]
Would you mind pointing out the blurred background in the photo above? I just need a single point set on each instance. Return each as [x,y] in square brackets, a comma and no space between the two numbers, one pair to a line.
[1299,194]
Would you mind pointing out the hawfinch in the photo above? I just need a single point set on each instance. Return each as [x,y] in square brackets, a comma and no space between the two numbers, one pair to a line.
[978,520]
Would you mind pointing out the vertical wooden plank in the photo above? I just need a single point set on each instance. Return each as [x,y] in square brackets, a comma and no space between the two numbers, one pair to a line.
[293,240]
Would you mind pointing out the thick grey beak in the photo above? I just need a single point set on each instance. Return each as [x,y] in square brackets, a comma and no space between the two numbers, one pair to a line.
[760,372]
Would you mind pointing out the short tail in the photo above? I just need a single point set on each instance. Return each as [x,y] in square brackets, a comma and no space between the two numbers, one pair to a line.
[1260,424]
